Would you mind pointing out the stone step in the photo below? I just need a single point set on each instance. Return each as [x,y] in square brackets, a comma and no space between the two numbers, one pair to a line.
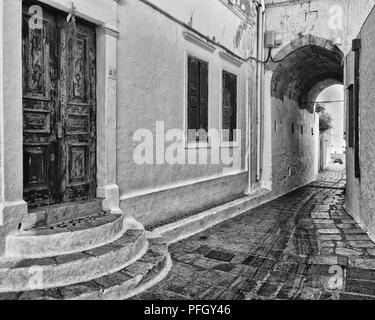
[193,225]
[67,237]
[44,216]
[59,271]
[120,285]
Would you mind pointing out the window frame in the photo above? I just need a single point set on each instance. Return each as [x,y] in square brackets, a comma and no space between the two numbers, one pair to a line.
[189,144]
[235,142]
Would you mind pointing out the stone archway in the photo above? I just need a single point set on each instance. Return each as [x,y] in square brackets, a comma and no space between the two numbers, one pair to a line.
[304,68]
[297,75]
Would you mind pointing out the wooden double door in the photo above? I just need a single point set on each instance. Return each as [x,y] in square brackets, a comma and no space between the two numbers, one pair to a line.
[59,108]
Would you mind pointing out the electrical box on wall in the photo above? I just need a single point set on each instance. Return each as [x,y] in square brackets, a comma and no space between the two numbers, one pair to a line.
[272,39]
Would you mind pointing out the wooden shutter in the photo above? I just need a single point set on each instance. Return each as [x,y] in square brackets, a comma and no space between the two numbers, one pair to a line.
[203,115]
[357,51]
[233,91]
[193,93]
[229,113]
[351,117]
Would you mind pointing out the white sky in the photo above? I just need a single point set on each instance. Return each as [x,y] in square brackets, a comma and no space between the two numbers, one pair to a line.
[336,110]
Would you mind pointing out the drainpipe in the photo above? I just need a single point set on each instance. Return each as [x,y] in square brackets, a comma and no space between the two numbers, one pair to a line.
[260,86]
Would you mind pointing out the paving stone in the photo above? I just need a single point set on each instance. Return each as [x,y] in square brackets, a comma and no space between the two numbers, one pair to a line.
[320,215]
[225,267]
[307,293]
[329,231]
[243,270]
[243,285]
[329,237]
[360,274]
[348,252]
[205,263]
[352,297]
[356,237]
[346,226]
[324,221]
[327,296]
[195,289]
[212,293]
[343,261]
[9,296]
[269,290]
[185,246]
[220,256]
[203,250]
[361,244]
[184,257]
[364,264]
[287,292]
[327,244]
[230,295]
[354,231]
[260,262]
[327,251]
[325,226]
[360,287]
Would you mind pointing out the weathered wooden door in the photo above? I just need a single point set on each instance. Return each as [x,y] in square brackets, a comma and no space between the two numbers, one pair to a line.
[77,98]
[40,107]
[59,109]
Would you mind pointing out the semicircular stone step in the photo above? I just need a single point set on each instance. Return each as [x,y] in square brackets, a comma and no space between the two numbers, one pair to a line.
[121,285]
[59,271]
[66,237]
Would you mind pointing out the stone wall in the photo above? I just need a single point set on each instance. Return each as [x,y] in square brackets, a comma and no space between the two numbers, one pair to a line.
[294,146]
[361,192]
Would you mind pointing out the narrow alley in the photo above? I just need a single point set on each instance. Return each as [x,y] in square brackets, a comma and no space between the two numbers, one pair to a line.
[300,246]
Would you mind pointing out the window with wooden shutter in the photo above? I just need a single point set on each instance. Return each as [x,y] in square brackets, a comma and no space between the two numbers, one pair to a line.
[229,111]
[197,98]
[351,116]
[356,47]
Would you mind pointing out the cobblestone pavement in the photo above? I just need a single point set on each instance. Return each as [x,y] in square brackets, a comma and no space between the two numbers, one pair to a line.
[301,246]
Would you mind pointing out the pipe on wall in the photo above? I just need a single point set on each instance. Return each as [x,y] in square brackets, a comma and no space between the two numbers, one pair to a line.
[260,67]
[259,99]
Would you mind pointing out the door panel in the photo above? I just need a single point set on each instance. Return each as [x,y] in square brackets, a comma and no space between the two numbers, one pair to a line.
[78,112]
[59,110]
[39,106]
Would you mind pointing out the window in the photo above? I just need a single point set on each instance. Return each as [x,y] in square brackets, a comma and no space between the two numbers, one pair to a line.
[357,52]
[197,99]
[301,129]
[229,111]
[292,127]
[351,116]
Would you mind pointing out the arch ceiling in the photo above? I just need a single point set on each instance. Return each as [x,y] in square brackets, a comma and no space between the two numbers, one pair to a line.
[303,71]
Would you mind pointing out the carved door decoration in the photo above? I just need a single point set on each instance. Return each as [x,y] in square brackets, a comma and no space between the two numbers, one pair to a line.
[59,110]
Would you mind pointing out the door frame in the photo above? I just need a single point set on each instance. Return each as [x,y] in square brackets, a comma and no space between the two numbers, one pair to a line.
[12,206]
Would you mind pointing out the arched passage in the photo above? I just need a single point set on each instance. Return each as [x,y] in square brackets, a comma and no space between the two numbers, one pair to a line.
[306,67]
[301,71]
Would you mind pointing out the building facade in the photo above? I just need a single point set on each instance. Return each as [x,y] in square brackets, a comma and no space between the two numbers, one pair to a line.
[117,116]
[360,123]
